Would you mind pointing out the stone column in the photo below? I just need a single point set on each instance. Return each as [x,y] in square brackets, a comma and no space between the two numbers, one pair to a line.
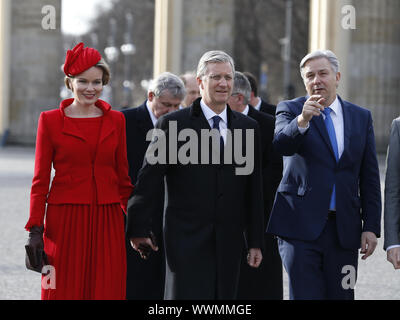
[375,65]
[327,32]
[184,30]
[5,14]
[36,57]
[207,25]
[368,54]
[167,36]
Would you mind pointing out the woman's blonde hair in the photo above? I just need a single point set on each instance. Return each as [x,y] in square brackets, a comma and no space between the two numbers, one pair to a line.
[102,64]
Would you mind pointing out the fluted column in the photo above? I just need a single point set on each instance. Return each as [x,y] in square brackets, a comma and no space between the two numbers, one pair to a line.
[375,66]
[327,31]
[167,36]
[5,14]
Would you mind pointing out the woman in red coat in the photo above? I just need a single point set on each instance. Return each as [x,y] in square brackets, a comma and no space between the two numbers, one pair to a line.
[84,140]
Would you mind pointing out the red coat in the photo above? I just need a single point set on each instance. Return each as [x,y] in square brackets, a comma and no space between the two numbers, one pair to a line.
[60,143]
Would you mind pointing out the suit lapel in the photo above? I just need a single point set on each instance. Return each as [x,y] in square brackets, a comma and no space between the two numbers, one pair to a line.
[200,122]
[346,126]
[197,117]
[318,122]
[69,126]
[107,128]
[144,119]
[231,119]
[320,125]
[251,112]
[321,128]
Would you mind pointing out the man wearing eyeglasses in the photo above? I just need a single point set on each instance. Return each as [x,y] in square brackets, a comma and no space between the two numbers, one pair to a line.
[265,282]
[209,206]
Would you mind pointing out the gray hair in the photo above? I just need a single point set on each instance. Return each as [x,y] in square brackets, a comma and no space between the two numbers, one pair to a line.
[242,85]
[329,55]
[170,82]
[215,56]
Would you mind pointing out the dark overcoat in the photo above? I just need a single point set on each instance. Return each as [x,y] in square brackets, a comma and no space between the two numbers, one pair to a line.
[145,278]
[209,209]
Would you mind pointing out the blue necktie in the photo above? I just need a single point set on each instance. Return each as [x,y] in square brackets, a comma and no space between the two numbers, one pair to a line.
[216,120]
[332,137]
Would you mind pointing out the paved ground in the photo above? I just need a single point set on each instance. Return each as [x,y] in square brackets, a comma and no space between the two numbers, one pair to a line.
[377,279]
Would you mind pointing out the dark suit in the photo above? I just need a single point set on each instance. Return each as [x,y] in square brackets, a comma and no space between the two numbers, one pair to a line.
[145,278]
[392,183]
[265,282]
[267,108]
[300,213]
[209,207]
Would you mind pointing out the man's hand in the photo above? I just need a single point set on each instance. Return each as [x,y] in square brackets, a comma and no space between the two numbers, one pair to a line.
[143,246]
[312,107]
[393,256]
[254,257]
[368,244]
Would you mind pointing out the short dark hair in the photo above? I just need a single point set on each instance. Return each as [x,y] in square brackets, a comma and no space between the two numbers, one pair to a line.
[253,82]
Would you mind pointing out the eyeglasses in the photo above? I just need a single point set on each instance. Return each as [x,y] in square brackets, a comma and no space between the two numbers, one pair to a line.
[218,77]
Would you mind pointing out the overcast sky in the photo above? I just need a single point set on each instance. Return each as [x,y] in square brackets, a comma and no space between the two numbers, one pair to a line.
[77,13]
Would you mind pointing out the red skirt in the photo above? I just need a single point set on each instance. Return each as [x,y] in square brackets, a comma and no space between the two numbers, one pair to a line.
[85,245]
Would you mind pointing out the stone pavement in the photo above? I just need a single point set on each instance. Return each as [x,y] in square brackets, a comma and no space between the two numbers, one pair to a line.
[377,280]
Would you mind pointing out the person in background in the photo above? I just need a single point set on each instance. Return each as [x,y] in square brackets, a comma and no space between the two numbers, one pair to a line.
[192,88]
[145,278]
[392,198]
[258,103]
[265,282]
[84,140]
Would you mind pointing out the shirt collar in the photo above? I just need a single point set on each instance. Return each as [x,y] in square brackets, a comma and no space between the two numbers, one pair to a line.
[152,116]
[209,113]
[258,105]
[335,106]
[246,110]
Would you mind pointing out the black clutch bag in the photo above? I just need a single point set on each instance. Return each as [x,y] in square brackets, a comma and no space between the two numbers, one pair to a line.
[35,257]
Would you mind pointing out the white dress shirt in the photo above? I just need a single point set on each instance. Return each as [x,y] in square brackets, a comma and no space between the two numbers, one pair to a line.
[152,116]
[246,110]
[258,106]
[209,114]
[338,123]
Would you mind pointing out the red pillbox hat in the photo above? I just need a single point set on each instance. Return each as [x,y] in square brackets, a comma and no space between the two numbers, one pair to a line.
[80,59]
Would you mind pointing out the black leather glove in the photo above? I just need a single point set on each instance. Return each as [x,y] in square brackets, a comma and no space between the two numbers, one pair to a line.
[35,257]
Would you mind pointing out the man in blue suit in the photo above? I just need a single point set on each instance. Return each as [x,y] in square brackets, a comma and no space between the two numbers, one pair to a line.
[328,203]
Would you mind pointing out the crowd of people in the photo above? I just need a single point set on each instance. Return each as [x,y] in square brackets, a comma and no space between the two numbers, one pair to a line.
[127,217]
